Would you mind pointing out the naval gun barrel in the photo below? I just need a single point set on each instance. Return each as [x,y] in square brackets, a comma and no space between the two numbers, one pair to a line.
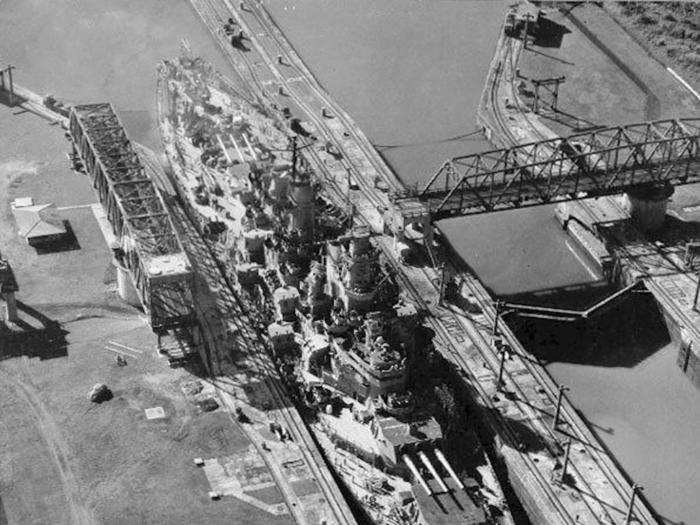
[412,467]
[441,457]
[433,471]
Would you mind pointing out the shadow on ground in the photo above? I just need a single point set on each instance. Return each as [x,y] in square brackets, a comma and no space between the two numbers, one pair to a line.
[43,337]
[66,243]
[549,33]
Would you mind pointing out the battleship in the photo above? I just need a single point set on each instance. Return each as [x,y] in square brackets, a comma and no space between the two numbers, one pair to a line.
[345,340]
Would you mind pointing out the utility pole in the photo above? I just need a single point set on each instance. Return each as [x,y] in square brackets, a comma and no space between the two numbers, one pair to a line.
[502,349]
[11,91]
[546,83]
[566,460]
[526,28]
[442,284]
[499,309]
[562,389]
[630,510]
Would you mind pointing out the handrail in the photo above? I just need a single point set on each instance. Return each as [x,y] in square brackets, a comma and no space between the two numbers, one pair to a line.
[562,314]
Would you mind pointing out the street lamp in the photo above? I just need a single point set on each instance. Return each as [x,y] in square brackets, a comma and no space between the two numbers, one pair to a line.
[499,305]
[566,460]
[562,389]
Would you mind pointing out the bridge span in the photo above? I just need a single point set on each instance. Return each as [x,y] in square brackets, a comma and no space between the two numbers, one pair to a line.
[620,159]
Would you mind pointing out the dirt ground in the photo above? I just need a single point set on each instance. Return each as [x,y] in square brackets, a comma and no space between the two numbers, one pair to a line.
[609,78]
[64,459]
[670,30]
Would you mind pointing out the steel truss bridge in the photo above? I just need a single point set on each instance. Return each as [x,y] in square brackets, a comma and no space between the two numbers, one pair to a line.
[148,245]
[601,162]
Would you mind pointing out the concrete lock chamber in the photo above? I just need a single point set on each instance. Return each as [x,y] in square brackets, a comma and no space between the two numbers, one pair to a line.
[647,206]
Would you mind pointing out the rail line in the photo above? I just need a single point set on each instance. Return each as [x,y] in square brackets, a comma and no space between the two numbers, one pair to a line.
[359,139]
[214,19]
[257,350]
[267,27]
[601,456]
[435,323]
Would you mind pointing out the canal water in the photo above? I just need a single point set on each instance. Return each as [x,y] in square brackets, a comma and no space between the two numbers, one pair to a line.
[410,73]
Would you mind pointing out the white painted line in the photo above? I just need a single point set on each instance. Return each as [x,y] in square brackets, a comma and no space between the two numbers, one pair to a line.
[583,262]
[120,345]
[120,352]
[76,207]
[685,84]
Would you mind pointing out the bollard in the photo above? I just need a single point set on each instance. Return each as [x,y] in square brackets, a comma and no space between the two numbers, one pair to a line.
[502,351]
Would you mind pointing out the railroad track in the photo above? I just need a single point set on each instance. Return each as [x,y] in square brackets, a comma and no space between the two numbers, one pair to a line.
[215,17]
[349,126]
[436,324]
[265,26]
[303,92]
[250,343]
[600,455]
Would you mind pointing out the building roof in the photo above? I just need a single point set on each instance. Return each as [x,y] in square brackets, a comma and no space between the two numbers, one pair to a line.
[38,220]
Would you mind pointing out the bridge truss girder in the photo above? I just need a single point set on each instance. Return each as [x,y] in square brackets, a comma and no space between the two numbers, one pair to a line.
[601,162]
[135,211]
